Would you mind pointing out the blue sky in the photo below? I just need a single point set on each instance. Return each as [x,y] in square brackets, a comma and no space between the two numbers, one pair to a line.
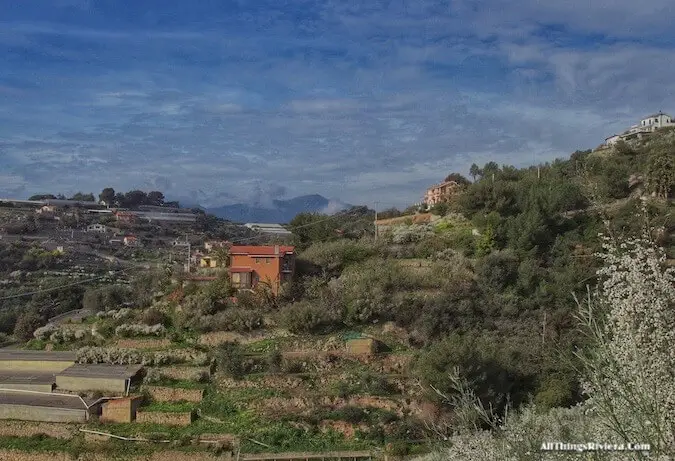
[361,100]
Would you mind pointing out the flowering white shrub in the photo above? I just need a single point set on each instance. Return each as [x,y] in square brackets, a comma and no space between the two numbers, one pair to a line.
[139,329]
[522,434]
[117,356]
[57,334]
[410,234]
[630,375]
[43,333]
[115,314]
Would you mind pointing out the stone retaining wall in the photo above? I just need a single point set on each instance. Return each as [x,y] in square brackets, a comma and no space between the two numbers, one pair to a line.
[182,373]
[16,455]
[29,429]
[173,394]
[167,418]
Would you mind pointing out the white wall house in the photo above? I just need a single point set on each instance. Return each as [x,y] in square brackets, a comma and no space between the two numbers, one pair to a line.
[97,228]
[265,228]
[656,121]
[647,125]
[611,140]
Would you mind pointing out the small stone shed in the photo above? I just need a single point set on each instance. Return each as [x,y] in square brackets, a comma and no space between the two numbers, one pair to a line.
[362,346]
[120,410]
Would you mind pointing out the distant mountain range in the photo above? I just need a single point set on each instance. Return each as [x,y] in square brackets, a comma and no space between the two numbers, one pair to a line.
[279,211]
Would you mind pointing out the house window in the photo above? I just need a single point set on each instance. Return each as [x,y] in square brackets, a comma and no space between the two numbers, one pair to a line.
[257,260]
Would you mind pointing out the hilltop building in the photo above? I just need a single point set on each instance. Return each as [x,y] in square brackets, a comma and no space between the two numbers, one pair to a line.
[645,127]
[442,192]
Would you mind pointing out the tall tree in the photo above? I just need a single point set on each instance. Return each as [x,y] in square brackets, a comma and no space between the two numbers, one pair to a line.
[107,195]
[120,200]
[82,197]
[475,171]
[490,168]
[42,197]
[155,198]
[135,198]
[661,174]
[458,178]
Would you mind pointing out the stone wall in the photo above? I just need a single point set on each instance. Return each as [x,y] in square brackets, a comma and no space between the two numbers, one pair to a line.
[29,429]
[182,373]
[120,410]
[16,455]
[172,394]
[168,418]
[361,346]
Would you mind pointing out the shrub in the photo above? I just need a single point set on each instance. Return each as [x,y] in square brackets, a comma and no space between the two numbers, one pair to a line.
[153,376]
[116,356]
[26,324]
[154,317]
[274,360]
[105,298]
[410,234]
[238,319]
[307,317]
[554,392]
[230,359]
[350,414]
[333,257]
[116,314]
[43,333]
[201,376]
[127,330]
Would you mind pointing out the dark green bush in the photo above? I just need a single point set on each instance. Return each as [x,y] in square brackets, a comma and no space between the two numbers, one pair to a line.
[231,360]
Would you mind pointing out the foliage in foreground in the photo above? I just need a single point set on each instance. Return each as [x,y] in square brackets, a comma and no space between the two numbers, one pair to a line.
[628,375]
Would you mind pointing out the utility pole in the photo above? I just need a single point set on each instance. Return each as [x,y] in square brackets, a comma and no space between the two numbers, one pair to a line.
[543,331]
[188,253]
[376,205]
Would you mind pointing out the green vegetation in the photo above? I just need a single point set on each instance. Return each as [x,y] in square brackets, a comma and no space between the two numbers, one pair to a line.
[482,296]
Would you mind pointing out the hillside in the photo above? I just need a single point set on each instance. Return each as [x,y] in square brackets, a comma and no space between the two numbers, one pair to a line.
[485,292]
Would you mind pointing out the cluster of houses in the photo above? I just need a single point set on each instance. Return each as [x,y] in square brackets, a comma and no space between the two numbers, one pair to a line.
[645,127]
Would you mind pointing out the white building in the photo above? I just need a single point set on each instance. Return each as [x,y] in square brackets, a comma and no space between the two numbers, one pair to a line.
[274,229]
[100,228]
[647,125]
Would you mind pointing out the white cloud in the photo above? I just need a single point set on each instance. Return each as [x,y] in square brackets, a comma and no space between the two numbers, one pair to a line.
[381,102]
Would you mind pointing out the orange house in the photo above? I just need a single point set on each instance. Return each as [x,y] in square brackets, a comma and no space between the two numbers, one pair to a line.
[270,264]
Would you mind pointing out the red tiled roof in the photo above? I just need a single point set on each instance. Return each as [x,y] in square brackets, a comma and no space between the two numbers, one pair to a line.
[240,269]
[260,250]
